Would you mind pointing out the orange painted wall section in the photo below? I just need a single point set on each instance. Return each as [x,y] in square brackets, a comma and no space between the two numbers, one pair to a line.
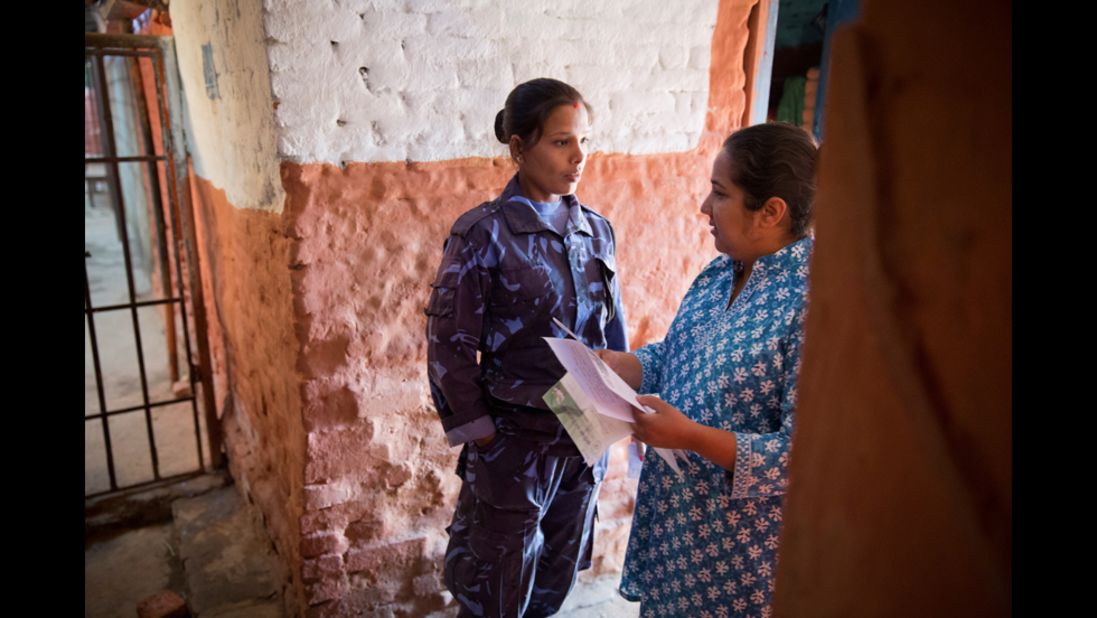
[245,259]
[369,241]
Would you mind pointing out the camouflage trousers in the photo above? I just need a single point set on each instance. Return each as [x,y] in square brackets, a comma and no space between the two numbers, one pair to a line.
[523,527]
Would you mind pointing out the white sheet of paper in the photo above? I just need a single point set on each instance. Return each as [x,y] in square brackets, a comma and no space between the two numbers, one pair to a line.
[608,393]
[591,374]
[593,433]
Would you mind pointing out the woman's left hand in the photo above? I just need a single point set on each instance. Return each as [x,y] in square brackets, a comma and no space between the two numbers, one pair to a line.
[666,428]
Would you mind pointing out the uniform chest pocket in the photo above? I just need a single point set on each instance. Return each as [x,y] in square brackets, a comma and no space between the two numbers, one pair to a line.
[520,290]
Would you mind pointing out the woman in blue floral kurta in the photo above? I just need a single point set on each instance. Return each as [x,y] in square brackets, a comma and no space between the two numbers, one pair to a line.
[705,543]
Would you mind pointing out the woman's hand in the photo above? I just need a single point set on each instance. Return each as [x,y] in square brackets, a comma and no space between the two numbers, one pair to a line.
[667,427]
[485,441]
[624,364]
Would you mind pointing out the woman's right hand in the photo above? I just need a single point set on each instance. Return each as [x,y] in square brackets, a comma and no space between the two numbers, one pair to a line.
[624,364]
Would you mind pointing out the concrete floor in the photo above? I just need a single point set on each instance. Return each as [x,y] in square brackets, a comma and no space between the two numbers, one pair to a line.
[210,550]
[200,539]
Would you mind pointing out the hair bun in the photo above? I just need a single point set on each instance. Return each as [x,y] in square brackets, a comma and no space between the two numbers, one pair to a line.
[499,133]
